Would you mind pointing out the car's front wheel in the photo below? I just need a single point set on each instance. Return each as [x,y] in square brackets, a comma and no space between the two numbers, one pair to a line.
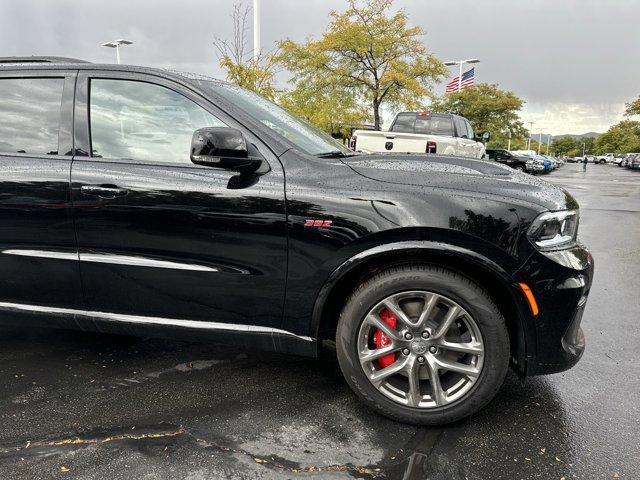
[422,344]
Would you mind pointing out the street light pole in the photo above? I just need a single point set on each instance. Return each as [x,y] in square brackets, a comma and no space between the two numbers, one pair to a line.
[117,44]
[509,145]
[539,142]
[256,31]
[530,133]
[548,143]
[460,63]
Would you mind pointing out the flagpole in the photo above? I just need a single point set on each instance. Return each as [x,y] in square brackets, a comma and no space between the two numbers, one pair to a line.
[539,141]
[460,63]
[256,31]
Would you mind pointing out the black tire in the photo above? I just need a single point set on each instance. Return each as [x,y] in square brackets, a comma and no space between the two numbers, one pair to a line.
[452,285]
[519,168]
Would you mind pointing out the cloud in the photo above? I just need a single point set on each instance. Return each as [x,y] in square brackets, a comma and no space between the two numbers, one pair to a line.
[569,57]
[559,118]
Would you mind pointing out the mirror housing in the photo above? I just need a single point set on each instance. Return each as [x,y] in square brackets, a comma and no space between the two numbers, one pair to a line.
[223,147]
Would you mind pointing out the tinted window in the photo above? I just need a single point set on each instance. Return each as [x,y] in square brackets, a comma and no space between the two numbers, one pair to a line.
[143,121]
[461,127]
[404,123]
[30,115]
[469,129]
[434,125]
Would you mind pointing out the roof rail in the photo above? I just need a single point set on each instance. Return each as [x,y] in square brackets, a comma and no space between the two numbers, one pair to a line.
[40,59]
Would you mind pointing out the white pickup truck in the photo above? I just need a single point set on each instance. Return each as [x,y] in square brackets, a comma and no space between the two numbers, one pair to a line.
[609,158]
[423,132]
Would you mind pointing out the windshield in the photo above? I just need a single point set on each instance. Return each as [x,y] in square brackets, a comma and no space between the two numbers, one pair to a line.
[304,136]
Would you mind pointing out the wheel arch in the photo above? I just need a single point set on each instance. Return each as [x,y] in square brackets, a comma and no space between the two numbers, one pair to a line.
[472,265]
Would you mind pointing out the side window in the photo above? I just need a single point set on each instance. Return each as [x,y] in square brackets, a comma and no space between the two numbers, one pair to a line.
[461,127]
[469,130]
[404,123]
[143,121]
[30,115]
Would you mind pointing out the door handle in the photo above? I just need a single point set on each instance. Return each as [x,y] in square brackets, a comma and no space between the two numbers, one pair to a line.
[103,191]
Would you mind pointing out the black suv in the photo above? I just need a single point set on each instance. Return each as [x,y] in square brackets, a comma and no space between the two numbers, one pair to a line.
[138,200]
[507,158]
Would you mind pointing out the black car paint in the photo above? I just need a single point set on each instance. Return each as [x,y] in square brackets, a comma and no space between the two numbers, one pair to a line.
[271,278]
[507,158]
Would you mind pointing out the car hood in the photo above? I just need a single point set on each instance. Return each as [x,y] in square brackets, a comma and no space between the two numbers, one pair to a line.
[464,174]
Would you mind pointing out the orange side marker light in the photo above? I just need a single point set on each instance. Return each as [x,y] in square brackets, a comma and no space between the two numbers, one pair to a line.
[531,300]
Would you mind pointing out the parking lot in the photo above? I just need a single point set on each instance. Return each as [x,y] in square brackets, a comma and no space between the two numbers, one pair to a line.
[83,405]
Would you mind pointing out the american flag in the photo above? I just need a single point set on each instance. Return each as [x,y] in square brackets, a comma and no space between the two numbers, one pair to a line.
[468,80]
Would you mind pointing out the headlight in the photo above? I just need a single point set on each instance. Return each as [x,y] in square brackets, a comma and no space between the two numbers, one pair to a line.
[552,230]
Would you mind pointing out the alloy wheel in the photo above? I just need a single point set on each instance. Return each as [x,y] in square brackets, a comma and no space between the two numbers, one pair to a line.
[420,349]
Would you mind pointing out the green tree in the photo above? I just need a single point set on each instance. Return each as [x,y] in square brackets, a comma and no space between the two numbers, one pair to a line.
[633,108]
[330,108]
[372,54]
[241,67]
[488,109]
[623,137]
[565,146]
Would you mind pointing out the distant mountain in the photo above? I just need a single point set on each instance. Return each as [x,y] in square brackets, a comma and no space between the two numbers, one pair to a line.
[545,136]
[577,137]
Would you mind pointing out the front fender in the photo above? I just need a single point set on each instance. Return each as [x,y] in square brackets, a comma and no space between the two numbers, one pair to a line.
[433,252]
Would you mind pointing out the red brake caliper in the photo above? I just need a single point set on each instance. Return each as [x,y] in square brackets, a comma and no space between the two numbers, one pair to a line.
[381,340]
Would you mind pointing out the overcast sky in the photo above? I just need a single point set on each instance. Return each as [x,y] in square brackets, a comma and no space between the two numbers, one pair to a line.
[575,62]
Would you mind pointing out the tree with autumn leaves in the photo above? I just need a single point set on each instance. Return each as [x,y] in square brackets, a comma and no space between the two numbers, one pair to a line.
[369,59]
[370,54]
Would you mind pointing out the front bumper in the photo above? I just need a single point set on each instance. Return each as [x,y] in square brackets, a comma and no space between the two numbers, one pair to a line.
[534,168]
[560,282]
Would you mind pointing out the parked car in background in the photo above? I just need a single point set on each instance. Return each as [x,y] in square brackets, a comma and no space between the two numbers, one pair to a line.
[538,160]
[552,161]
[535,165]
[507,158]
[144,201]
[634,162]
[546,163]
[423,132]
[610,158]
[625,162]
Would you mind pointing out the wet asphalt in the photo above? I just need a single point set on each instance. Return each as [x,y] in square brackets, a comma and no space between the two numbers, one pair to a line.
[83,406]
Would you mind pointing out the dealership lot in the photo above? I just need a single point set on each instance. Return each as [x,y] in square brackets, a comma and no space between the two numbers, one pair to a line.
[84,405]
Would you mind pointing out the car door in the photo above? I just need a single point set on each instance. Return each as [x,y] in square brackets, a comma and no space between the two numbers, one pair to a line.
[38,253]
[161,240]
[462,146]
[473,148]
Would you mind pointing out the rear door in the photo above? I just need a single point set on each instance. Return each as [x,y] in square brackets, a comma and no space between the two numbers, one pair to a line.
[473,148]
[161,240]
[462,135]
[38,254]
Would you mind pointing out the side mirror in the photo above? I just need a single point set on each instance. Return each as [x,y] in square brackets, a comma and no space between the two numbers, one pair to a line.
[223,147]
[484,137]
